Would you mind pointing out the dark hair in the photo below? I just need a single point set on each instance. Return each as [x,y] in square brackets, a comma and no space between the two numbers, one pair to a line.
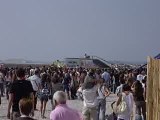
[126,87]
[73,74]
[138,89]
[84,72]
[25,106]
[144,80]
[20,72]
[91,72]
[98,71]
[36,71]
[130,81]
[121,79]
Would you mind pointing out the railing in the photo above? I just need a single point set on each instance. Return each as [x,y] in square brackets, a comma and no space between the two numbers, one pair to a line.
[102,60]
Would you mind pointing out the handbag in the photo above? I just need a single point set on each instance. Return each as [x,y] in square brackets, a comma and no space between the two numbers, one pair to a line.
[122,107]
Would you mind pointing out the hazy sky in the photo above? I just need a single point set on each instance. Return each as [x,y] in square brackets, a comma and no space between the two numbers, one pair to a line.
[54,29]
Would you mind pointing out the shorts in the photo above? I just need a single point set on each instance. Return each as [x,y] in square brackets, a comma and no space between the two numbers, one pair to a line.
[42,96]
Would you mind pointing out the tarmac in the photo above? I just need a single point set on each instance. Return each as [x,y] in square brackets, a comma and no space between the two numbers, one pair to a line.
[75,104]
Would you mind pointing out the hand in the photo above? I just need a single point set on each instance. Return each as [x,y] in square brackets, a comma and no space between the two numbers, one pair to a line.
[8,115]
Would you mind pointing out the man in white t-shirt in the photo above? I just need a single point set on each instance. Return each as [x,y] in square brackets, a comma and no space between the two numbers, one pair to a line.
[36,84]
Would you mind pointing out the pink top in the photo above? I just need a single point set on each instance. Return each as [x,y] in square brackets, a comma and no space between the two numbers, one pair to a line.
[63,112]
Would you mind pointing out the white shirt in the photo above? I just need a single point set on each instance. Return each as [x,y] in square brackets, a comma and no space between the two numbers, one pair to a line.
[90,97]
[106,76]
[101,92]
[35,81]
[129,101]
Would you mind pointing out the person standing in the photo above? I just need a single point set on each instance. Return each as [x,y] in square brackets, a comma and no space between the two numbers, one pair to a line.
[141,76]
[126,97]
[36,84]
[103,92]
[44,94]
[1,83]
[119,88]
[8,83]
[74,85]
[20,88]
[138,93]
[56,85]
[106,76]
[62,111]
[66,84]
[90,101]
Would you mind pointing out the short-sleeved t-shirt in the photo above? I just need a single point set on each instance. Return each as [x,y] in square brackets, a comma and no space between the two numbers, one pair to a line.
[24,118]
[20,89]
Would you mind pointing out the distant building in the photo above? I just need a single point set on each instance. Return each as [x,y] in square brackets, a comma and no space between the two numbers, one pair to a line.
[79,62]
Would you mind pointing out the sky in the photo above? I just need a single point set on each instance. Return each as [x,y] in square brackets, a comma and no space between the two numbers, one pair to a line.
[47,30]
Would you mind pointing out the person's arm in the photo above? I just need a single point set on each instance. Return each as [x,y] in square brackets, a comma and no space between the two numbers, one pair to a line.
[107,92]
[10,104]
[133,87]
[32,98]
[119,100]
[30,90]
[132,103]
[39,84]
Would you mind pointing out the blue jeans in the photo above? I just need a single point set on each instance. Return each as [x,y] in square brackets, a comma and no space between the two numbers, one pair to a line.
[101,109]
[66,88]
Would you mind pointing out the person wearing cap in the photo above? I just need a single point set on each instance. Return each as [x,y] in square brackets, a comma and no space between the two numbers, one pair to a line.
[62,111]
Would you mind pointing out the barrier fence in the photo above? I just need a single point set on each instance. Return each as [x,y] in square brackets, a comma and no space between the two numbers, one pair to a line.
[153,89]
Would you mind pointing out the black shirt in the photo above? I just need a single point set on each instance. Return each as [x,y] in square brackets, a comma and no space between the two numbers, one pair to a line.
[20,89]
[25,118]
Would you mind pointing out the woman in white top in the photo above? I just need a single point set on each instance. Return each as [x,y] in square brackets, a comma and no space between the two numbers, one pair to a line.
[126,97]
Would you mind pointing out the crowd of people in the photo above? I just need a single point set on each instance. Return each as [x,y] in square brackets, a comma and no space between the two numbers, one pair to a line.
[23,86]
